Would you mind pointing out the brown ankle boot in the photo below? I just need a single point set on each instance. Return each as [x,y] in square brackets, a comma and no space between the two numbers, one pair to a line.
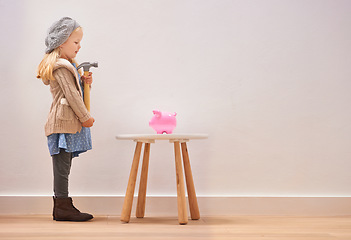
[65,211]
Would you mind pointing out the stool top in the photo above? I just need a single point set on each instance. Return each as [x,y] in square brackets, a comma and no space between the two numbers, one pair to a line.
[152,137]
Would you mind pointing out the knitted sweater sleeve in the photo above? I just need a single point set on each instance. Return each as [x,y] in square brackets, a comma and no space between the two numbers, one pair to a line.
[66,81]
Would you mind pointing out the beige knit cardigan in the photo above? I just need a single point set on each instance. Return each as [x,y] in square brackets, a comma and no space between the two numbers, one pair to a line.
[67,111]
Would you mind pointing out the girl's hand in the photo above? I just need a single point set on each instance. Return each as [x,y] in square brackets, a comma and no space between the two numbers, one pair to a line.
[89,123]
[88,79]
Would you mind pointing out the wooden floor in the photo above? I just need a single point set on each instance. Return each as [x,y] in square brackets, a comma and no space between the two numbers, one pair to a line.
[235,227]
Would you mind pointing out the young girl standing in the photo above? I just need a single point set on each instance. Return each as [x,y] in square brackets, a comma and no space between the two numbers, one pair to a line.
[68,124]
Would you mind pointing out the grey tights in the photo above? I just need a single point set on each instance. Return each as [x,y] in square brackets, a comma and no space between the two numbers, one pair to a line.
[62,166]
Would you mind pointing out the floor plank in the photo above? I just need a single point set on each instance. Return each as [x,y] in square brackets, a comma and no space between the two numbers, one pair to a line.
[214,227]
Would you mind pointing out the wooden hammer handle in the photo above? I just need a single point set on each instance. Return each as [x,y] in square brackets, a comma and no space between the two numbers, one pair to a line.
[87,92]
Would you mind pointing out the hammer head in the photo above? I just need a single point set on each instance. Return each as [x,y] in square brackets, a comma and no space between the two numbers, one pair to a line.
[86,65]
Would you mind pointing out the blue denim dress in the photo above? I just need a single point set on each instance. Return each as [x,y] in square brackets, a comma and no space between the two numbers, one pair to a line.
[76,143]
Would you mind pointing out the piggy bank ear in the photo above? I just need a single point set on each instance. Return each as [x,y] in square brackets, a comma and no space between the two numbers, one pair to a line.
[174,114]
[157,113]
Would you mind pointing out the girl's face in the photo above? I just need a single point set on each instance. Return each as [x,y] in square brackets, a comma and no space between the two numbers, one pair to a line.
[70,48]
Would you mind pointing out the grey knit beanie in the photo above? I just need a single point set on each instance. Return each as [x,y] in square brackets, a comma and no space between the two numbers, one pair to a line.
[59,32]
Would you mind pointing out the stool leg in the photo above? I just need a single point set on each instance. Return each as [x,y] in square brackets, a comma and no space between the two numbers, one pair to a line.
[128,200]
[194,207]
[140,212]
[182,210]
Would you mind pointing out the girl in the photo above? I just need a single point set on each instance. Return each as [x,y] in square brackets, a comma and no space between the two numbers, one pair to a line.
[68,124]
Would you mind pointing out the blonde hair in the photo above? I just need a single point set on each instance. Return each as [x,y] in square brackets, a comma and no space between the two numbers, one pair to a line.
[46,66]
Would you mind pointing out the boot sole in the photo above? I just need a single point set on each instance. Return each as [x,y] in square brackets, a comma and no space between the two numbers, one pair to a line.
[70,220]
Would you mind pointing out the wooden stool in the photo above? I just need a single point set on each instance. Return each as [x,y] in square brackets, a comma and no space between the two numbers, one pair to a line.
[179,141]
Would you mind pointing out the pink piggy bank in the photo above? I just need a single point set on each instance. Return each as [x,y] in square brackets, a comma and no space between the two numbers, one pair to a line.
[163,122]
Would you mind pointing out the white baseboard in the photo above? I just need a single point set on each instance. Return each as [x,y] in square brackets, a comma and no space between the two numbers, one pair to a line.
[167,206]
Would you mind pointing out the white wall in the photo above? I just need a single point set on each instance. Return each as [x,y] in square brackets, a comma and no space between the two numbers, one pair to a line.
[269,81]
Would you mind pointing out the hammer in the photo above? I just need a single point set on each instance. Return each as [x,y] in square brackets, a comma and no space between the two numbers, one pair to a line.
[86,66]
